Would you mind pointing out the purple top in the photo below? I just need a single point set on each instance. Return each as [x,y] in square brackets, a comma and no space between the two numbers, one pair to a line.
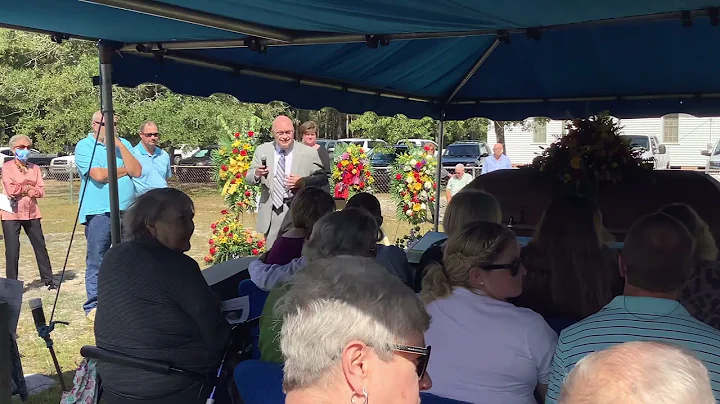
[284,250]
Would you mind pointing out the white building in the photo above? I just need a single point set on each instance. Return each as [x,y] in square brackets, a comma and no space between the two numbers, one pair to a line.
[684,136]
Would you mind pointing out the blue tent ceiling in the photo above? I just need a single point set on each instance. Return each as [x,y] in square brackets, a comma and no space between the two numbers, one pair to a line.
[631,68]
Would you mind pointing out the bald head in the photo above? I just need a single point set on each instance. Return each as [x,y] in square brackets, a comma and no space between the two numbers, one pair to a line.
[284,131]
[498,150]
[98,125]
[638,373]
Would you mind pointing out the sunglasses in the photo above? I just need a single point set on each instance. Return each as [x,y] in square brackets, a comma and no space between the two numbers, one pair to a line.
[514,266]
[422,362]
[153,134]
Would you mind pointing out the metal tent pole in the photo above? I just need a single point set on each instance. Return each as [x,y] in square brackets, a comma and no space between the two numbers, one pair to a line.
[106,105]
[440,140]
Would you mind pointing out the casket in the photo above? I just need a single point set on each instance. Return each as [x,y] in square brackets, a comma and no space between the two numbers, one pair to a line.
[525,193]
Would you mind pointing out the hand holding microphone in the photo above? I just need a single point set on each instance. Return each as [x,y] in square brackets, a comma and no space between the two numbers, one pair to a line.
[262,171]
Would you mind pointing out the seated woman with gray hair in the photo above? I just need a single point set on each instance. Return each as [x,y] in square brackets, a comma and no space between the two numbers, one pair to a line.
[352,333]
[350,232]
[153,303]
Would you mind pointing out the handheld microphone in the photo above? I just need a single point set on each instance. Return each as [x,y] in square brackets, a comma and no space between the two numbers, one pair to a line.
[263,161]
[37,312]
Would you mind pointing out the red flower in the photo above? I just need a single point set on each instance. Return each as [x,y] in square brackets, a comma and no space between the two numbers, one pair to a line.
[238,175]
[224,167]
[255,251]
[232,181]
[248,193]
[226,229]
[211,241]
[251,134]
[432,199]
[398,176]
[243,152]
[240,204]
[427,147]
[339,165]
[361,185]
[236,151]
[213,250]
[224,212]
[208,258]
[230,235]
[261,243]
[213,226]
[237,135]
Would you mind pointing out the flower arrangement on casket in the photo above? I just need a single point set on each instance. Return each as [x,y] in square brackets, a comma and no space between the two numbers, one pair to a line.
[230,240]
[232,161]
[412,186]
[352,172]
[591,151]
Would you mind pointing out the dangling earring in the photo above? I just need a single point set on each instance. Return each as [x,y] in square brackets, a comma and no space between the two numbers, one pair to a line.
[365,397]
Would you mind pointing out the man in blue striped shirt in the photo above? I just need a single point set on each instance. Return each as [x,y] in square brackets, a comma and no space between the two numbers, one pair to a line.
[655,262]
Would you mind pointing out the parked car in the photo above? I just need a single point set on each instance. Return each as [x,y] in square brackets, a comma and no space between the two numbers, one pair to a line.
[651,149]
[367,144]
[712,166]
[418,142]
[469,154]
[63,167]
[381,160]
[329,145]
[201,158]
[183,151]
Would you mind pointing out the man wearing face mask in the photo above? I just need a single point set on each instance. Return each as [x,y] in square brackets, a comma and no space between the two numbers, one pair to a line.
[281,167]
[95,207]
[23,184]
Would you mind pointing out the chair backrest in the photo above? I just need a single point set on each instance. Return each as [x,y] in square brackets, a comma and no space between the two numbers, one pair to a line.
[257,299]
[427,398]
[259,382]
[558,323]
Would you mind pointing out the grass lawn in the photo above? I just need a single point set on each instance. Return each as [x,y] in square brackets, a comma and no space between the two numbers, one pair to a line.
[59,209]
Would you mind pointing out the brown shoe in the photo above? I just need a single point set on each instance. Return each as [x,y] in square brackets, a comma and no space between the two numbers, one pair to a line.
[91,315]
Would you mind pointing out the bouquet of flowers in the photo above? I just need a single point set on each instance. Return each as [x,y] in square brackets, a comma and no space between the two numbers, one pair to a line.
[352,172]
[230,240]
[232,162]
[413,189]
[591,151]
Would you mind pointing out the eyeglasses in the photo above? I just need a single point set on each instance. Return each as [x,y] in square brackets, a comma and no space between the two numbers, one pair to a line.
[103,123]
[285,132]
[514,266]
[154,134]
[422,362]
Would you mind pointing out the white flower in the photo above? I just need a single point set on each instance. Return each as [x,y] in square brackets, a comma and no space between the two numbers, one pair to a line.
[407,167]
[413,162]
[429,157]
[423,206]
[428,185]
[423,194]
[408,212]
[409,180]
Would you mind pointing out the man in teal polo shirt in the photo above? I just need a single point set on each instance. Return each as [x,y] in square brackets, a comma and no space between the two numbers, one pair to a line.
[656,260]
[95,206]
[154,160]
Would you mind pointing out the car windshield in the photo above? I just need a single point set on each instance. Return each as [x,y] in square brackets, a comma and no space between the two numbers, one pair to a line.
[385,153]
[639,142]
[463,150]
[717,149]
[202,153]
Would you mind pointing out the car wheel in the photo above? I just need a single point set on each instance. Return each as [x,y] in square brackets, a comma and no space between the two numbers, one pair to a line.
[44,172]
[176,160]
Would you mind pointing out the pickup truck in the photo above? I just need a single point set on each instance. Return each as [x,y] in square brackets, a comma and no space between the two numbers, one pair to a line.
[651,149]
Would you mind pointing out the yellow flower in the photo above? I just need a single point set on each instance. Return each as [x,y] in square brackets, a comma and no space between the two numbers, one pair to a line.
[222,151]
[344,162]
[418,186]
[236,143]
[354,171]
[416,207]
[575,162]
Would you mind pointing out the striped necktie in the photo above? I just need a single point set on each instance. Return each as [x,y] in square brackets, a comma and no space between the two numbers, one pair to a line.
[278,193]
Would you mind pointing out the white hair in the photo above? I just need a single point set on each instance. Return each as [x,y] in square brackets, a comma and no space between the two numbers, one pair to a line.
[14,140]
[334,301]
[347,232]
[641,372]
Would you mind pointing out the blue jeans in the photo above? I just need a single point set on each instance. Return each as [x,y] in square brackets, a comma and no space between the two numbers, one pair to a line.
[97,234]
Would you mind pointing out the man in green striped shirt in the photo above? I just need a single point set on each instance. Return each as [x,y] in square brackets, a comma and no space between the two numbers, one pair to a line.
[655,262]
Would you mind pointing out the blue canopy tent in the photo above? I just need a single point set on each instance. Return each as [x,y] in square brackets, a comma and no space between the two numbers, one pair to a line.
[445,59]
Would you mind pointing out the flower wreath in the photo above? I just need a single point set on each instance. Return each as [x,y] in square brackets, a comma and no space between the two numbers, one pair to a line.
[230,240]
[413,188]
[232,162]
[352,172]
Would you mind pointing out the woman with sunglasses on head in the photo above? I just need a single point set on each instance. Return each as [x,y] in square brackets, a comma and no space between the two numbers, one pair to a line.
[23,185]
[352,333]
[486,350]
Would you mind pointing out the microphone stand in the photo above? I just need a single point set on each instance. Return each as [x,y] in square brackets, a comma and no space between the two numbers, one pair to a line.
[44,333]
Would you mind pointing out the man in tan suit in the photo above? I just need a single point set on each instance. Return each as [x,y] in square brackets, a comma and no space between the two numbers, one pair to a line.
[289,165]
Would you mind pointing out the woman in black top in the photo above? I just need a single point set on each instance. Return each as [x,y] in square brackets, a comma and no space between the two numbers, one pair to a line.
[155,304]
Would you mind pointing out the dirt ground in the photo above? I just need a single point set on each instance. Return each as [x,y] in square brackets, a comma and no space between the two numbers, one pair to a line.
[59,209]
